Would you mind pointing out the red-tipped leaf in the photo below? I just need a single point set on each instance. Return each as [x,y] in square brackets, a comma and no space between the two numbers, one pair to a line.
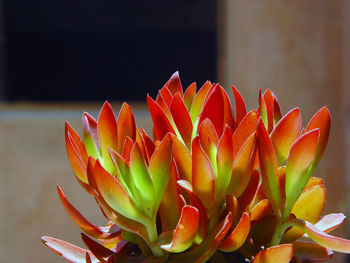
[182,119]
[185,231]
[108,135]
[126,126]
[203,179]
[280,254]
[69,252]
[240,105]
[189,95]
[268,167]
[238,235]
[301,154]
[285,133]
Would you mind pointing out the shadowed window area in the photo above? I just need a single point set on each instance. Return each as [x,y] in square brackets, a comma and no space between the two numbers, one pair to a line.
[121,50]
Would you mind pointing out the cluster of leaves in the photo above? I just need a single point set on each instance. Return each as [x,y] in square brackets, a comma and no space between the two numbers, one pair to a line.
[209,185]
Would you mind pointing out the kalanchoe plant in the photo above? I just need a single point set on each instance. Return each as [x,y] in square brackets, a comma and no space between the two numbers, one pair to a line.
[210,186]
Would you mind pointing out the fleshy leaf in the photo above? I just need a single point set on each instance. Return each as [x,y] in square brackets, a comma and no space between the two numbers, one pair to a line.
[161,124]
[314,181]
[207,133]
[280,254]
[285,133]
[208,246]
[166,96]
[268,97]
[328,241]
[213,110]
[124,174]
[174,85]
[322,121]
[68,251]
[90,136]
[185,231]
[75,158]
[134,226]
[246,198]
[261,210]
[224,159]
[196,202]
[183,159]
[171,205]
[78,144]
[240,105]
[82,222]
[311,252]
[330,222]
[163,100]
[126,153]
[233,207]
[203,179]
[159,168]
[309,207]
[245,128]
[215,237]
[277,113]
[238,236]
[243,166]
[182,119]
[268,167]
[149,145]
[263,110]
[301,154]
[189,95]
[144,187]
[198,101]
[228,113]
[107,133]
[96,248]
[126,126]
[114,194]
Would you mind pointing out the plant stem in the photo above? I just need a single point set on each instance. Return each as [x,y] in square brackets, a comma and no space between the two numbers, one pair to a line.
[279,232]
[153,237]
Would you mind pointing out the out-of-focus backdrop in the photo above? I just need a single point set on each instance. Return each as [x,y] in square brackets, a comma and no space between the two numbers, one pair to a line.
[60,58]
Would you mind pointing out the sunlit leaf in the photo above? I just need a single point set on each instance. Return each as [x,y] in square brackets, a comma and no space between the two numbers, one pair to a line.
[108,135]
[68,251]
[268,167]
[203,179]
[280,254]
[185,231]
[239,234]
[240,105]
[302,153]
[285,133]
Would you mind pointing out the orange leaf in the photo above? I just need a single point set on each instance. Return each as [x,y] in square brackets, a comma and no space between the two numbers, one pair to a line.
[240,105]
[203,179]
[185,231]
[108,135]
[238,236]
[280,254]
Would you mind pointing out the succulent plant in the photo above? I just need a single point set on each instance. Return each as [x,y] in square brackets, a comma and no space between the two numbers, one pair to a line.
[210,185]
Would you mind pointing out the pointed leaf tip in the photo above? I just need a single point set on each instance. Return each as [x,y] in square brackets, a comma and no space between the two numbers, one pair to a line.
[285,133]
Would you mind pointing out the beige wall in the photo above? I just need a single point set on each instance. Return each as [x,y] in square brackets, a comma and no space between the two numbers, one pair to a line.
[300,50]
[32,162]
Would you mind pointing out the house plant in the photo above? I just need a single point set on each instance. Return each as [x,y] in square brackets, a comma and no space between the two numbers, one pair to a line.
[209,185]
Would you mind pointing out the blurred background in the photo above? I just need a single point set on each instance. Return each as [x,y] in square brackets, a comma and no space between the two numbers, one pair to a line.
[61,58]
